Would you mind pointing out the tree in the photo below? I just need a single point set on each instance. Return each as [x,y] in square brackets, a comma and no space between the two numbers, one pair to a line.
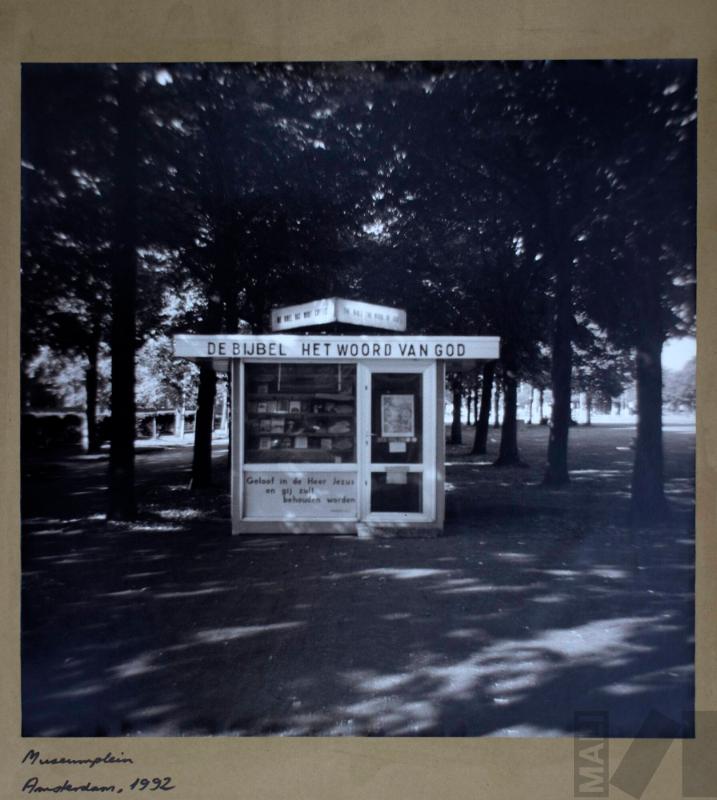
[566,145]
[601,370]
[66,220]
[264,206]
[161,379]
[122,505]
[71,202]
[456,386]
[649,244]
[554,137]
[480,442]
[456,224]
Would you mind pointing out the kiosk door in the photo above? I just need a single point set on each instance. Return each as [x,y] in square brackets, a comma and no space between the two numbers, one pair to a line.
[399,447]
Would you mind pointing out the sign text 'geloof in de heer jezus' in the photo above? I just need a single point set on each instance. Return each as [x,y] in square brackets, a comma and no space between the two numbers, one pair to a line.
[336,348]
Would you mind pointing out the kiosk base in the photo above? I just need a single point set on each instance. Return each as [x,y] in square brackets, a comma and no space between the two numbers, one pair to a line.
[413,531]
[364,530]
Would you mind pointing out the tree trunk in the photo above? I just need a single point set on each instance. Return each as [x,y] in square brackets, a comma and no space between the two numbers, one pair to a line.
[530,407]
[542,406]
[224,416]
[207,392]
[475,405]
[469,404]
[588,407]
[203,426]
[456,432]
[649,504]
[121,492]
[93,443]
[556,473]
[496,406]
[179,415]
[508,455]
[221,291]
[480,443]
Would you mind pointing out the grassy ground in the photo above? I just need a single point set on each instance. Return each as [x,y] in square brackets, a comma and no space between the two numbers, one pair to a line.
[534,605]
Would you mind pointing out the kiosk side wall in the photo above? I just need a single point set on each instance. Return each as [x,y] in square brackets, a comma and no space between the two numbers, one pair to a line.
[236,445]
[440,446]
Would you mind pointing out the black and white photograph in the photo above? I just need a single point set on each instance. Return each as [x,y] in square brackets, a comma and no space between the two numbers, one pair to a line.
[358,398]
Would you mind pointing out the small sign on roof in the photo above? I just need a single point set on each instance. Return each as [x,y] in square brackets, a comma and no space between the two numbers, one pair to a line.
[337,309]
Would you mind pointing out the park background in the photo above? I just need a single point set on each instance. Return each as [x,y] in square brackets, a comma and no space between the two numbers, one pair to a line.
[549,203]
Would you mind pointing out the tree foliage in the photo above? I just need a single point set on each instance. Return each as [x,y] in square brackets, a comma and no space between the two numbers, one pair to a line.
[548,203]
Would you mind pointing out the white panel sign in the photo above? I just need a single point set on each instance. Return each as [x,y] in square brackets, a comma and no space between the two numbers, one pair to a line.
[337,309]
[318,312]
[336,348]
[372,316]
[299,495]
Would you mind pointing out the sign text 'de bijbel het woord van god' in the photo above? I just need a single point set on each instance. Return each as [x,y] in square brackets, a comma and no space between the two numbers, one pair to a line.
[336,348]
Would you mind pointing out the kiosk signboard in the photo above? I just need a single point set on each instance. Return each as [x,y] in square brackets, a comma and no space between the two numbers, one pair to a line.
[300,495]
[336,348]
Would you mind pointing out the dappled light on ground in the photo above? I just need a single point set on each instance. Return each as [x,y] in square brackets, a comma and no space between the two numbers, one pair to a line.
[535,604]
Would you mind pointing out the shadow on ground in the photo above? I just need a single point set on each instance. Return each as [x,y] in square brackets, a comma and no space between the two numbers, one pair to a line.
[535,604]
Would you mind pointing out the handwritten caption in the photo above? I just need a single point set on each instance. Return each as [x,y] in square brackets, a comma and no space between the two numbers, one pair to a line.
[135,783]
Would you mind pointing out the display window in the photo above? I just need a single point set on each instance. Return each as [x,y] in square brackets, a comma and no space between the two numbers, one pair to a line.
[300,413]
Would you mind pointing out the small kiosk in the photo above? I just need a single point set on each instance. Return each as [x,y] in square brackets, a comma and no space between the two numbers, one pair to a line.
[336,433]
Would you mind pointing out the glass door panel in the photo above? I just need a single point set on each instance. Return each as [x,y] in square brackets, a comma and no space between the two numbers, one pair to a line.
[398,491]
[396,451]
